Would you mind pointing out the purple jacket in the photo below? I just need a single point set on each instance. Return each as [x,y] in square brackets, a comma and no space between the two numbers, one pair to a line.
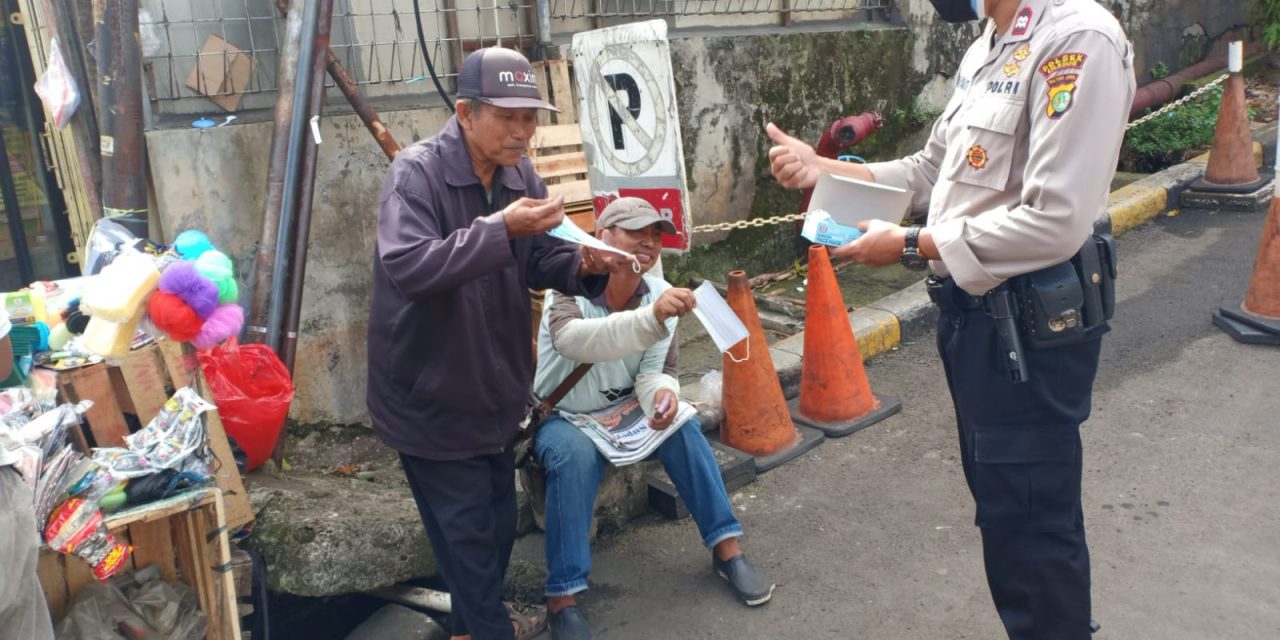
[450,358]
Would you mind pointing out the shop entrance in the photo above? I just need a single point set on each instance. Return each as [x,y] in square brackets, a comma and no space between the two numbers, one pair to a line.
[35,234]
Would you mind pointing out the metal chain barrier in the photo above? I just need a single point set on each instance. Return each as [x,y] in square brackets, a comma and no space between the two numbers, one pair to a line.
[756,223]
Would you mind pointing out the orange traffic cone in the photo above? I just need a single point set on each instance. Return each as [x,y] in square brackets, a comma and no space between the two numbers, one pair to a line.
[1232,166]
[756,420]
[1257,320]
[835,395]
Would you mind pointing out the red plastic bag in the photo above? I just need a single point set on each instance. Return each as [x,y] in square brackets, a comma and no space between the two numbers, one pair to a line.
[252,389]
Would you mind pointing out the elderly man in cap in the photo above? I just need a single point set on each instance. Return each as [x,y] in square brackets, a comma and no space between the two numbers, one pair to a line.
[462,222]
[628,333]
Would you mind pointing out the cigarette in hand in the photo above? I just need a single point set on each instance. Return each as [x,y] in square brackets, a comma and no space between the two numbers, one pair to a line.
[663,404]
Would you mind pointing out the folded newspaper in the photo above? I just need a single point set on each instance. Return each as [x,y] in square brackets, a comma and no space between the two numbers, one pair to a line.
[622,433]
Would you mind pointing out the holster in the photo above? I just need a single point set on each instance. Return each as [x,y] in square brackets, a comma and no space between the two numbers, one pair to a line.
[1072,301]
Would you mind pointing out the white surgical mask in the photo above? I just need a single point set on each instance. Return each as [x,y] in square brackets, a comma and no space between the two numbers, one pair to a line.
[720,320]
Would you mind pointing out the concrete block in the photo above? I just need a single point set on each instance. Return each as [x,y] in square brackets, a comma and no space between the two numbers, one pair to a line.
[401,622]
[787,364]
[737,470]
[322,535]
[877,331]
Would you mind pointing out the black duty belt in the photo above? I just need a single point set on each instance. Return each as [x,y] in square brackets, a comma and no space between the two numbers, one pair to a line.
[950,297]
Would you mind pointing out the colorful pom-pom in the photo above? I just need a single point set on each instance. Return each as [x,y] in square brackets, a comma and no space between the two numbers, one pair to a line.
[228,291]
[224,322]
[191,244]
[215,265]
[182,280]
[173,316]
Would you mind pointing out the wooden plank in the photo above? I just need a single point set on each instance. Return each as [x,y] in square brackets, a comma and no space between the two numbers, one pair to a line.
[181,370]
[562,90]
[556,135]
[184,370]
[239,511]
[544,117]
[576,191]
[120,391]
[106,419]
[585,220]
[78,575]
[145,380]
[220,549]
[53,580]
[560,164]
[160,509]
[153,545]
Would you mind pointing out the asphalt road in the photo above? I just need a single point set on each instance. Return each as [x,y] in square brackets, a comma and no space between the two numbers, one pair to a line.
[871,536]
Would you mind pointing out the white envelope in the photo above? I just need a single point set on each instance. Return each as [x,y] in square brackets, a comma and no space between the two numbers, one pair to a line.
[850,201]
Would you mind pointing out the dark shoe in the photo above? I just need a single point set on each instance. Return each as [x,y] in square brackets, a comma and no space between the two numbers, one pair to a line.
[1094,626]
[751,586]
[569,624]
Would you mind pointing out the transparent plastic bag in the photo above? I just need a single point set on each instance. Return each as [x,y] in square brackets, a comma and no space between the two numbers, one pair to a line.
[56,88]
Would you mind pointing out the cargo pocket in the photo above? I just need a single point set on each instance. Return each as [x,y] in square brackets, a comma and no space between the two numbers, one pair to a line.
[986,153]
[1027,479]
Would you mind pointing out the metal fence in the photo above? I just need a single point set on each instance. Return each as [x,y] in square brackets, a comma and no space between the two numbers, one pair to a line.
[571,9]
[226,49]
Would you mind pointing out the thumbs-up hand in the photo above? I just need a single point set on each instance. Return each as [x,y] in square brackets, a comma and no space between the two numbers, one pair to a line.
[794,163]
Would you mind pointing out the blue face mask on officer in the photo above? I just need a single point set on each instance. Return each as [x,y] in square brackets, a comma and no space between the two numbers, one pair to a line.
[960,10]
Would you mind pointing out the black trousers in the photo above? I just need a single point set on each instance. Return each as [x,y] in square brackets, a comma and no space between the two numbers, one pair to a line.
[1020,446]
[469,510]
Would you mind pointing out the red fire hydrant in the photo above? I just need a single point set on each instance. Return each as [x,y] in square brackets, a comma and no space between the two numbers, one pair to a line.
[842,134]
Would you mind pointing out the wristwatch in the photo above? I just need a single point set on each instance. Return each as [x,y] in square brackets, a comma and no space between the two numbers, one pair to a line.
[911,257]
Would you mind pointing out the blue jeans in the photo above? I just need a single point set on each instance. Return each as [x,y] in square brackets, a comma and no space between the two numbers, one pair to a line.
[574,471]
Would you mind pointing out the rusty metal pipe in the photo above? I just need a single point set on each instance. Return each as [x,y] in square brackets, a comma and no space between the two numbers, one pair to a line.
[1165,89]
[351,90]
[292,172]
[301,235]
[260,282]
[124,162]
[306,194]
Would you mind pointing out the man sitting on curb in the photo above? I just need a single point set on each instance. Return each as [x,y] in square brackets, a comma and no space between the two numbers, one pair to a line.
[628,332]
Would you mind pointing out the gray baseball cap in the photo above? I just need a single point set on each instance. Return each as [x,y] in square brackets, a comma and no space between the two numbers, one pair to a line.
[633,214]
[501,77]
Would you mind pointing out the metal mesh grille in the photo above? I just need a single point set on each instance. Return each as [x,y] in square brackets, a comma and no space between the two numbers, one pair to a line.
[570,9]
[376,40]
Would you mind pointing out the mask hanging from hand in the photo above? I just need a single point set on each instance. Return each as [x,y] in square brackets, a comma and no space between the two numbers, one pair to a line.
[956,11]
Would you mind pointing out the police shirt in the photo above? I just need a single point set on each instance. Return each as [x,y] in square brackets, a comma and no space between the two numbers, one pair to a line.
[1020,163]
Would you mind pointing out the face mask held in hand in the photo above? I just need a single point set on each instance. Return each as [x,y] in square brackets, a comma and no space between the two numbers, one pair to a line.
[721,322]
[960,10]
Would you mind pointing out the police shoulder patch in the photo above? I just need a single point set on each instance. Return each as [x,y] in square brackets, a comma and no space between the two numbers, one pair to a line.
[1062,75]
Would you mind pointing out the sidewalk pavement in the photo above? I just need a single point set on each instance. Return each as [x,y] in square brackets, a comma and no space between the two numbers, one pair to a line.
[871,536]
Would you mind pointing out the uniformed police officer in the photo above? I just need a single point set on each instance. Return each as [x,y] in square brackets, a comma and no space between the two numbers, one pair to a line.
[1016,171]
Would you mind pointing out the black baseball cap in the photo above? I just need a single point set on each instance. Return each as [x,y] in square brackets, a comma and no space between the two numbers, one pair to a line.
[501,77]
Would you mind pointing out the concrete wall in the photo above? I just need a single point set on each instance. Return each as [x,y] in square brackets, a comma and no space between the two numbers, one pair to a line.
[1177,32]
[215,180]
[729,84]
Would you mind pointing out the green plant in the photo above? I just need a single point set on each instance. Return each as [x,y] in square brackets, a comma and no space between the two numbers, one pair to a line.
[1164,140]
[1266,13]
[1161,70]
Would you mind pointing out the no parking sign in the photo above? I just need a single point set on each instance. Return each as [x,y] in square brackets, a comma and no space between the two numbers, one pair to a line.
[629,121]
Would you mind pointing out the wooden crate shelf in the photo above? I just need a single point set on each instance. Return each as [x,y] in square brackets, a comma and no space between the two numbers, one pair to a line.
[129,393]
[184,536]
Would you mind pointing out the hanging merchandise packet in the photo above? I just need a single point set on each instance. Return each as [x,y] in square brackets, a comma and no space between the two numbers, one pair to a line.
[719,319]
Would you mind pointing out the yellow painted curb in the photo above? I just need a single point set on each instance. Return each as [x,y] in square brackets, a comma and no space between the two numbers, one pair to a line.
[877,332]
[1134,205]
